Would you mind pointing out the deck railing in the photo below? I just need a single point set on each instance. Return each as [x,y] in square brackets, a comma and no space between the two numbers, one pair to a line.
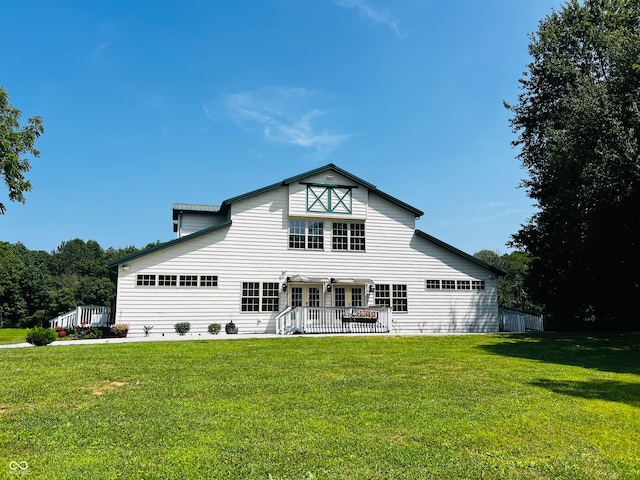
[333,320]
[83,316]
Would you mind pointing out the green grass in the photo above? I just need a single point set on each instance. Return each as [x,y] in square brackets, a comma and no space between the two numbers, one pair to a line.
[12,335]
[524,407]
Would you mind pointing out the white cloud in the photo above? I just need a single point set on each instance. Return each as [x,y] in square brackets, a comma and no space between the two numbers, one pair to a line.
[381,17]
[284,115]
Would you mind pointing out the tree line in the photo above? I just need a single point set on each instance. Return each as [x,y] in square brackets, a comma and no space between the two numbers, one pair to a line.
[36,286]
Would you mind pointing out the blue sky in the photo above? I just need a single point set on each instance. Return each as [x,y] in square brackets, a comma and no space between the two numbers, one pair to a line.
[149,103]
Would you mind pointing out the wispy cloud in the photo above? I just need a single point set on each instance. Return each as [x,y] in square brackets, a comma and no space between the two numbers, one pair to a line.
[380,17]
[284,115]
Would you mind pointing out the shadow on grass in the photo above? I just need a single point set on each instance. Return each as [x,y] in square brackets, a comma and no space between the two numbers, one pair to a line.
[612,352]
[609,390]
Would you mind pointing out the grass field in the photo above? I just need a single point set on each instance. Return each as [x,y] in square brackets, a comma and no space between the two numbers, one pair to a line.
[479,406]
[12,335]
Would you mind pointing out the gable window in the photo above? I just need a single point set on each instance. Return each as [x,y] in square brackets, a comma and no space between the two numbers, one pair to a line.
[208,280]
[146,280]
[270,297]
[329,198]
[464,285]
[167,280]
[348,236]
[477,285]
[306,234]
[250,296]
[188,280]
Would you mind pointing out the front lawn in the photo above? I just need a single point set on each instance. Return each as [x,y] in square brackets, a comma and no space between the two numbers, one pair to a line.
[12,335]
[477,406]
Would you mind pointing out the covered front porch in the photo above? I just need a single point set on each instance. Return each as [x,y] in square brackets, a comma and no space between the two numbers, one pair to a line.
[333,320]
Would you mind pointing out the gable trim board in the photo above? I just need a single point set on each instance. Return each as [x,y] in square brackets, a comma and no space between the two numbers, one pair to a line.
[260,267]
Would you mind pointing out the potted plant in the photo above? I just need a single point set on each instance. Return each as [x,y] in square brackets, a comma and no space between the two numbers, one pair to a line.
[147,330]
[62,332]
[120,329]
[231,327]
[214,328]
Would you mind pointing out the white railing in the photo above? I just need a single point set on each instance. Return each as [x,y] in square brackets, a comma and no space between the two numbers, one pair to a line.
[86,316]
[333,320]
[517,321]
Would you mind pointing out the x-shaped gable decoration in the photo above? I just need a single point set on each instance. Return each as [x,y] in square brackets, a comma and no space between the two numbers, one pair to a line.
[328,199]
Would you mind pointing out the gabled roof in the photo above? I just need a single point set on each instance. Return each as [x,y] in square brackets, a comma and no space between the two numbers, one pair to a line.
[453,249]
[168,244]
[224,207]
[287,181]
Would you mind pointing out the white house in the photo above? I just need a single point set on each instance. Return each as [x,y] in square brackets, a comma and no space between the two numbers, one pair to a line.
[323,251]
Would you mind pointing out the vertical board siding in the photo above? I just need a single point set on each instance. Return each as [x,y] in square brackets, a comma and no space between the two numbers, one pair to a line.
[255,248]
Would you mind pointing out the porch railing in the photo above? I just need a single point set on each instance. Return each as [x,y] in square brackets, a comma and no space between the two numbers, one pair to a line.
[86,316]
[333,320]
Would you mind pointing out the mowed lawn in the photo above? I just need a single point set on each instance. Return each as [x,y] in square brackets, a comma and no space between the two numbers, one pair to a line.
[477,406]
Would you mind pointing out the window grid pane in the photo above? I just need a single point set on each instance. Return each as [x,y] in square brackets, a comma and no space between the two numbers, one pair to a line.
[477,285]
[448,284]
[315,239]
[400,298]
[188,280]
[167,280]
[464,285]
[432,284]
[146,280]
[296,233]
[250,296]
[270,292]
[208,280]
[340,236]
[383,295]
[357,236]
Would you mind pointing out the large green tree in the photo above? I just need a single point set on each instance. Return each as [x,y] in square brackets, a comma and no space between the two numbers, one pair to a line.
[578,124]
[15,141]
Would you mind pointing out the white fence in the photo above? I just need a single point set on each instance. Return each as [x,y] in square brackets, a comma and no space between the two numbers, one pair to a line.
[85,316]
[517,321]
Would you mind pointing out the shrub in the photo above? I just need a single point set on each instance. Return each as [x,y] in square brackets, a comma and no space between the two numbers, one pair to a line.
[182,327]
[39,336]
[214,328]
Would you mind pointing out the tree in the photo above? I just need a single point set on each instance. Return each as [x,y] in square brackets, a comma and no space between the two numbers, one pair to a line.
[578,124]
[14,142]
[512,292]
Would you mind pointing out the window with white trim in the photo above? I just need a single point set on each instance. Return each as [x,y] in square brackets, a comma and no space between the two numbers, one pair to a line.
[167,280]
[464,285]
[188,280]
[432,284]
[448,284]
[399,300]
[270,293]
[477,285]
[208,280]
[250,297]
[306,234]
[348,236]
[383,296]
[146,280]
[394,296]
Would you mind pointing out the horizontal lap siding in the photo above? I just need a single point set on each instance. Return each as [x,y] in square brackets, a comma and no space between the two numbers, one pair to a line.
[255,248]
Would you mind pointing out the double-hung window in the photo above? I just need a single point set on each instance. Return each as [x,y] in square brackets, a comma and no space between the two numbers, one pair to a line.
[348,236]
[306,234]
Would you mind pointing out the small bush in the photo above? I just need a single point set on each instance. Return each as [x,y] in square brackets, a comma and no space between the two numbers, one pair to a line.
[39,336]
[214,328]
[182,327]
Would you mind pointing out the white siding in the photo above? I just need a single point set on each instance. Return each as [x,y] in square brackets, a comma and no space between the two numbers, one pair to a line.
[255,248]
[189,222]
